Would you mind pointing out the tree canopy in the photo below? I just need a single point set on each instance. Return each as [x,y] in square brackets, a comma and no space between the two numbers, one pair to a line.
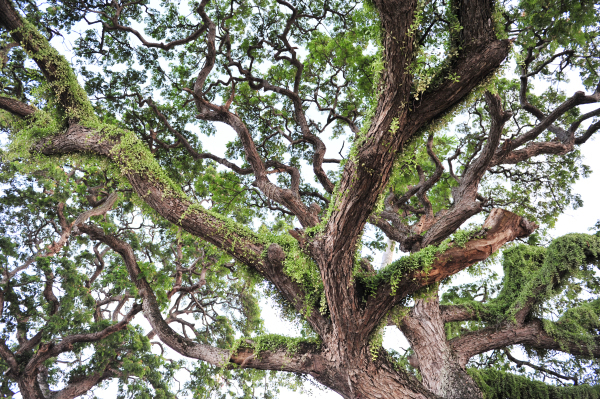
[450,129]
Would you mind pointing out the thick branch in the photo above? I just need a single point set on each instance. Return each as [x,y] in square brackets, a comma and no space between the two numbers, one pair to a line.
[238,241]
[56,69]
[156,192]
[304,360]
[83,385]
[452,313]
[531,334]
[9,357]
[500,227]
[366,177]
[16,107]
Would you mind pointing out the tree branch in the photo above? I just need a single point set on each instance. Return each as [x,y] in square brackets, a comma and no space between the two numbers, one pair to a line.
[51,349]
[272,270]
[78,388]
[500,227]
[56,69]
[452,313]
[163,46]
[465,195]
[275,360]
[16,107]
[531,334]
[521,363]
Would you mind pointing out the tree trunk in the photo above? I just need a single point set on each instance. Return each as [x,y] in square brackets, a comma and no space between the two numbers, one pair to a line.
[29,387]
[435,359]
[355,375]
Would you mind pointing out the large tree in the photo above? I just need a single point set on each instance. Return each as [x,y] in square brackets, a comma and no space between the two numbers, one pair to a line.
[195,231]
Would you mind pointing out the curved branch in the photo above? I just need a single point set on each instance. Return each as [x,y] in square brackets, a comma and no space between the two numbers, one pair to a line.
[211,112]
[500,227]
[593,128]
[157,192]
[275,360]
[78,388]
[578,98]
[531,334]
[465,195]
[9,358]
[54,67]
[521,363]
[163,46]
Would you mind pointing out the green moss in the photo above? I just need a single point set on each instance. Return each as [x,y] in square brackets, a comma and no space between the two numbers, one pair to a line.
[566,258]
[71,99]
[537,275]
[25,132]
[376,339]
[418,261]
[497,384]
[273,342]
[299,267]
[395,271]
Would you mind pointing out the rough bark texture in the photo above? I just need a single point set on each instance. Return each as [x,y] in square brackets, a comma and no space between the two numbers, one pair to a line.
[16,107]
[343,361]
[442,373]
[531,333]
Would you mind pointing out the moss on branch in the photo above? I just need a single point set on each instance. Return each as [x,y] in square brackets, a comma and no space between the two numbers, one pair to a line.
[274,342]
[497,384]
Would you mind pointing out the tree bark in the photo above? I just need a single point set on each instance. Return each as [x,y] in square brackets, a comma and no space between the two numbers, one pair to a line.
[434,357]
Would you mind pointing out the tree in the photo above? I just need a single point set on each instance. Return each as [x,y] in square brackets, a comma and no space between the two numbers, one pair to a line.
[387,76]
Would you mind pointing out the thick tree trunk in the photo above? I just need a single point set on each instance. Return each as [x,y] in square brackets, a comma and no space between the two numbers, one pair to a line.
[354,374]
[367,379]
[435,359]
[382,381]
[29,387]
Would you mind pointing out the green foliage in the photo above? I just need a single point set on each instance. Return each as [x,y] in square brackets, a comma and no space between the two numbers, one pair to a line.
[499,385]
[73,102]
[342,56]
[420,261]
[559,285]
[273,342]
[536,276]
[210,382]
[299,266]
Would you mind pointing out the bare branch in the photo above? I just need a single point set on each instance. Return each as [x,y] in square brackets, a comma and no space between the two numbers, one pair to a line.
[16,107]
[521,363]
[115,25]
